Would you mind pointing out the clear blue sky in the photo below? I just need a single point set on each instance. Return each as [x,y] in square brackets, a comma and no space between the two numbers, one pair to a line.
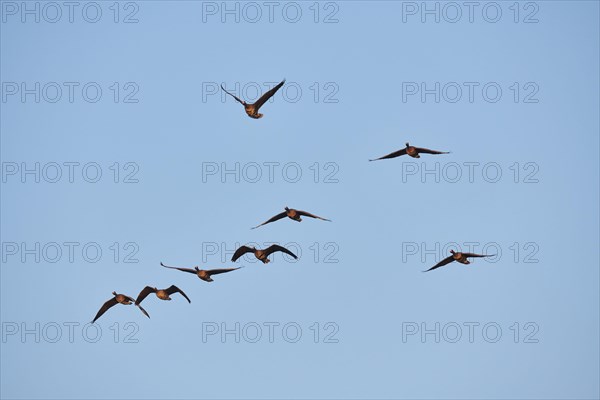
[366,279]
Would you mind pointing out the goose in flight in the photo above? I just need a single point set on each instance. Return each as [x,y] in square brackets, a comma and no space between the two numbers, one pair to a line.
[261,254]
[252,109]
[162,294]
[203,274]
[117,299]
[411,151]
[292,214]
[459,257]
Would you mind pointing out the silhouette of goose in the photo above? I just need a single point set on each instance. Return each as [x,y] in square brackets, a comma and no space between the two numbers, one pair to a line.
[117,299]
[204,274]
[163,294]
[292,214]
[261,254]
[458,257]
[252,109]
[411,151]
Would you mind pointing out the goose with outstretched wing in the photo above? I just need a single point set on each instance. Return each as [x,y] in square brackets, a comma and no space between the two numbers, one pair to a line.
[117,299]
[204,274]
[458,257]
[261,254]
[163,294]
[411,151]
[252,109]
[292,214]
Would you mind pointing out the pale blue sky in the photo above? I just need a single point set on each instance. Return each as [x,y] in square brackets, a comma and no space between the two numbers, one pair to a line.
[375,290]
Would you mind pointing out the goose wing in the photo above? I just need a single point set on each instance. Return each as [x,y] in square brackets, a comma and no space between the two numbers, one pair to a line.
[220,271]
[307,214]
[272,219]
[105,307]
[445,261]
[234,96]
[174,289]
[429,151]
[275,247]
[263,99]
[392,155]
[142,310]
[190,270]
[477,255]
[240,252]
[143,294]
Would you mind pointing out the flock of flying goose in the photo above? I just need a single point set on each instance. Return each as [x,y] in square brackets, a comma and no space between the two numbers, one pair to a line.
[262,255]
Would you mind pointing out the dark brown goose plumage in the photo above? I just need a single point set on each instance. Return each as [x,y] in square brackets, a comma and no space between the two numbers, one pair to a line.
[163,294]
[204,274]
[292,214]
[117,299]
[252,109]
[411,151]
[261,254]
[459,257]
